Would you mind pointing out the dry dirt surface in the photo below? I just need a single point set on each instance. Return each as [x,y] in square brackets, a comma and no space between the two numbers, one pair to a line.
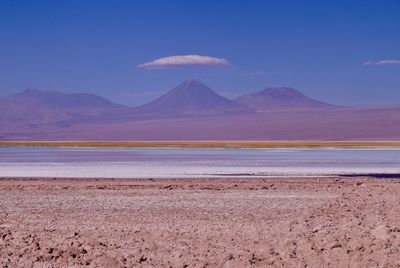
[327,222]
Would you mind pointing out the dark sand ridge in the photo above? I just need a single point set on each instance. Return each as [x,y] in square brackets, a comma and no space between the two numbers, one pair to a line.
[200,223]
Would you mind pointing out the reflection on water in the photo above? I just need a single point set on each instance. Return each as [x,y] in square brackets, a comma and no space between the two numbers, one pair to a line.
[213,157]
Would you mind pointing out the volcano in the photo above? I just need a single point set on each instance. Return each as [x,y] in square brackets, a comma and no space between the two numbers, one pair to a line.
[280,98]
[191,98]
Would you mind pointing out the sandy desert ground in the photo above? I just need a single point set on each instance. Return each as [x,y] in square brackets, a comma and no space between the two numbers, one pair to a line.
[327,222]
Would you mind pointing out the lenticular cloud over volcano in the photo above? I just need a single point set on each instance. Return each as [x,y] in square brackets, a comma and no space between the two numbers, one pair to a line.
[182,61]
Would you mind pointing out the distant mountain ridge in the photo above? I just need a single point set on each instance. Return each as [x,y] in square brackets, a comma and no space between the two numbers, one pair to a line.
[59,100]
[190,98]
[192,111]
[280,98]
[39,106]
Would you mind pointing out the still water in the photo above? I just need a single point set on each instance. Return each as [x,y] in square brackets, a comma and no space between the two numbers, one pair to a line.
[173,162]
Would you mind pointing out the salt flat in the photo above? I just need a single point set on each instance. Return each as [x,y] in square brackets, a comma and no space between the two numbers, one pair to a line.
[161,170]
[320,222]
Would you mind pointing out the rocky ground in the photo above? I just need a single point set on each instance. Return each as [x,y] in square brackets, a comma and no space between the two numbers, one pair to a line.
[327,222]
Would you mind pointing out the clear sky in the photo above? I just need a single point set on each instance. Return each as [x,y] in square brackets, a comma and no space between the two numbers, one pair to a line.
[345,52]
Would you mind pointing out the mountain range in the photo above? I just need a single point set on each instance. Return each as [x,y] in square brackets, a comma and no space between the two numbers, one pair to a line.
[192,111]
[36,106]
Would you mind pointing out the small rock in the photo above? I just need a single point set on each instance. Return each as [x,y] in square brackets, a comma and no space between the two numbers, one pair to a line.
[335,245]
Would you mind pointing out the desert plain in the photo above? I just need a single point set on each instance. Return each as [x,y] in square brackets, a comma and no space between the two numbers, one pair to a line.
[225,222]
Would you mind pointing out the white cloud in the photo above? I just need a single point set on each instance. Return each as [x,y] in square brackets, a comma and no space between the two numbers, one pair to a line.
[183,60]
[383,62]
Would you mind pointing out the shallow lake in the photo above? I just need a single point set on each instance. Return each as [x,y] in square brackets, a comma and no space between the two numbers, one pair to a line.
[174,162]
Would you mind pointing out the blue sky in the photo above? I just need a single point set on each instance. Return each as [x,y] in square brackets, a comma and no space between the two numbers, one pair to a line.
[318,47]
